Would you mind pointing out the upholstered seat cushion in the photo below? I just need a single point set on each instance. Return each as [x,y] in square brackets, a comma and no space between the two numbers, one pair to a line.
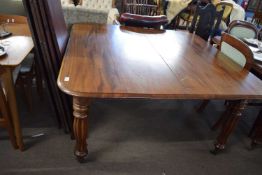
[234,54]
[142,20]
[242,32]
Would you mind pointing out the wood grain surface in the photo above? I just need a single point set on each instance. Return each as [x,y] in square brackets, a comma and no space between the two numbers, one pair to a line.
[18,29]
[17,49]
[106,61]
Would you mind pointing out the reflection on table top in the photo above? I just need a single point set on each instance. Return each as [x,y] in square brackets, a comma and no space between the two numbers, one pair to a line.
[17,48]
[18,29]
[107,61]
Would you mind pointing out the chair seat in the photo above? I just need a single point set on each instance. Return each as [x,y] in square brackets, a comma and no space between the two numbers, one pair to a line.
[143,20]
[27,64]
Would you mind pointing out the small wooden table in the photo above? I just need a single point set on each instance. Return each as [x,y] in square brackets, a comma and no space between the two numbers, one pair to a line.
[105,61]
[19,46]
[18,29]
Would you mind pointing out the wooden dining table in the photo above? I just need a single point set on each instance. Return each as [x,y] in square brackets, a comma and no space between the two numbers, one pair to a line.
[107,61]
[18,46]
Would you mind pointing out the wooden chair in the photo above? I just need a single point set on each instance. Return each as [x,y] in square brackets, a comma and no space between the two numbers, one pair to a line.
[5,115]
[204,20]
[239,29]
[141,7]
[257,18]
[186,15]
[241,54]
[228,9]
[27,73]
[242,29]
[142,13]
[237,50]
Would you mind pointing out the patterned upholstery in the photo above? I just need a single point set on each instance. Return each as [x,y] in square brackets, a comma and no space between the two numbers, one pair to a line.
[90,11]
[97,4]
[66,2]
[233,54]
[242,32]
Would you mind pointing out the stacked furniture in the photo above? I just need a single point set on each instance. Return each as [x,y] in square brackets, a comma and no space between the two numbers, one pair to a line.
[50,36]
[89,11]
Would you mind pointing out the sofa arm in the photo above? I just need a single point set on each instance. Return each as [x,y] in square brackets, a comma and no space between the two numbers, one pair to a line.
[112,15]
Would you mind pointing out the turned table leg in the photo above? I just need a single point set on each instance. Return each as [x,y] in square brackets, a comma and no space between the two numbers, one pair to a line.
[229,125]
[80,127]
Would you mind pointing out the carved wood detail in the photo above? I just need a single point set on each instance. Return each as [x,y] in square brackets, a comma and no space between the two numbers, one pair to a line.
[80,126]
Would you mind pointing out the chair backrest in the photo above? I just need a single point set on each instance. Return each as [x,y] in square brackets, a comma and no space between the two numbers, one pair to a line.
[135,20]
[16,18]
[237,51]
[227,11]
[141,7]
[204,19]
[242,29]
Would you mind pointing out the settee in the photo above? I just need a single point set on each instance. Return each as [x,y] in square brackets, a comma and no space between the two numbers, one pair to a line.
[91,11]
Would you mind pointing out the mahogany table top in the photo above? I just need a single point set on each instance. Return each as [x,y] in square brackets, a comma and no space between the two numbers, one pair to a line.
[18,45]
[107,61]
[17,49]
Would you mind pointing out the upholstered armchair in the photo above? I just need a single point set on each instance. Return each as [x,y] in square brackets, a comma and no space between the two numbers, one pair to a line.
[101,7]
[92,11]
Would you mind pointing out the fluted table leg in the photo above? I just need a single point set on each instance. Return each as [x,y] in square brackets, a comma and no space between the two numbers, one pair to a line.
[230,124]
[80,126]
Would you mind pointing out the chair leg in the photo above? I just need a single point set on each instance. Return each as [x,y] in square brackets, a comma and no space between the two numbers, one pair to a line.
[39,84]
[229,125]
[29,93]
[202,106]
[26,84]
[39,80]
[10,130]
